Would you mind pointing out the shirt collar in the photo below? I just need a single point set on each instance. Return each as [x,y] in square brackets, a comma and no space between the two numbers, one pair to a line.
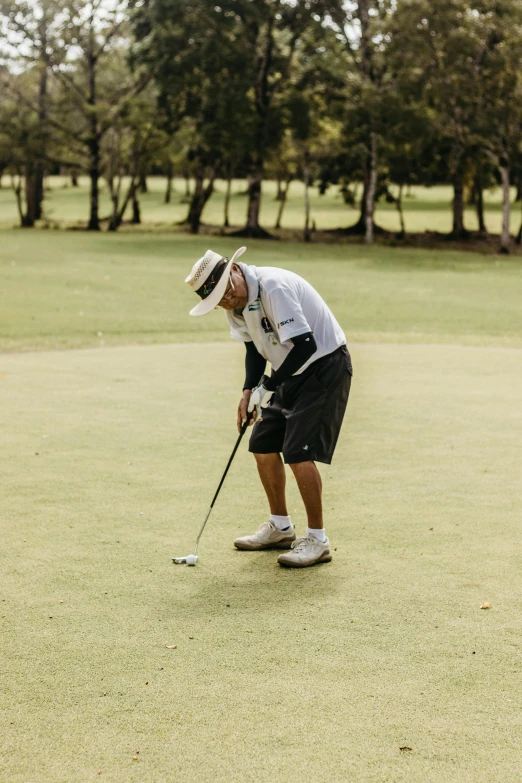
[250,274]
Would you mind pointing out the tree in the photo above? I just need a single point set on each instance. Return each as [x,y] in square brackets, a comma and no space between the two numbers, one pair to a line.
[500,89]
[21,145]
[29,31]
[274,31]
[128,148]
[200,64]
[360,26]
[451,42]
[283,165]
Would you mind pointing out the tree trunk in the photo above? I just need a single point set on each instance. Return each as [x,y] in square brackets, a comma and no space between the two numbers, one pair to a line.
[114,190]
[518,196]
[402,232]
[359,228]
[17,187]
[74,179]
[458,231]
[505,237]
[114,222]
[280,191]
[30,190]
[306,177]
[282,203]
[136,212]
[94,140]
[263,97]
[199,199]
[518,238]
[168,190]
[226,222]
[39,169]
[479,203]
[118,213]
[94,174]
[187,186]
[143,183]
[253,229]
[38,190]
[40,161]
[372,186]
[194,213]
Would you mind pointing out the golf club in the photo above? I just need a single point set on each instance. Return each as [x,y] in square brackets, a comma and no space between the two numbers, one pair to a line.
[191,560]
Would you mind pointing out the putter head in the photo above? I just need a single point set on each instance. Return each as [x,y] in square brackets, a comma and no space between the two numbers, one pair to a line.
[190,560]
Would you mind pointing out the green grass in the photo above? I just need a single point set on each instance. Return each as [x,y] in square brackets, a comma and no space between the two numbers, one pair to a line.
[68,289]
[111,455]
[426,209]
[110,459]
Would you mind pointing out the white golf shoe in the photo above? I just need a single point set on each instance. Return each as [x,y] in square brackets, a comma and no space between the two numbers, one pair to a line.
[306,551]
[268,536]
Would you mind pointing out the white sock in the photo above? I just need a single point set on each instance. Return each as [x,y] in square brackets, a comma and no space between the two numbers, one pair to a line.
[316,532]
[280,522]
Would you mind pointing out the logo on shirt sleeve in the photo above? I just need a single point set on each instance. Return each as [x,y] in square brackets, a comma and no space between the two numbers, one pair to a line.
[284,323]
[267,326]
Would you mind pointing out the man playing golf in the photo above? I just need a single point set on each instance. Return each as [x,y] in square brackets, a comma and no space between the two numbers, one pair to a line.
[299,409]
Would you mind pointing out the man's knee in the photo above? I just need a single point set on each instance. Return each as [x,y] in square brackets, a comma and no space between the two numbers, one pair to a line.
[264,458]
[305,465]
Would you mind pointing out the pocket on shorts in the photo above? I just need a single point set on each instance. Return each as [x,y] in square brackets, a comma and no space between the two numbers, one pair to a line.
[329,376]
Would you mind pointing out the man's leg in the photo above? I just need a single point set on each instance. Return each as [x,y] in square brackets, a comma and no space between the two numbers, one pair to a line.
[273,478]
[278,532]
[314,547]
[311,487]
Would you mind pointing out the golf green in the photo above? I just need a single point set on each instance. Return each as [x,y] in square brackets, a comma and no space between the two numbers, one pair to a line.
[380,666]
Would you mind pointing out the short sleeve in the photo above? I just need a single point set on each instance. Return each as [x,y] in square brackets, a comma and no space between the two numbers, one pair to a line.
[288,313]
[238,328]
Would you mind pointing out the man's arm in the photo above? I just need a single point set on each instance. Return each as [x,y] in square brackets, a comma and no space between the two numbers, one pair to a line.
[255,365]
[304,347]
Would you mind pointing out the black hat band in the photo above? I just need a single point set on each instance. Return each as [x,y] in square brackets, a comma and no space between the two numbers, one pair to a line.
[213,279]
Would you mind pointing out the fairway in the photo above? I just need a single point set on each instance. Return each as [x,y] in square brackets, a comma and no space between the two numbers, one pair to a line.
[73,290]
[111,458]
[112,451]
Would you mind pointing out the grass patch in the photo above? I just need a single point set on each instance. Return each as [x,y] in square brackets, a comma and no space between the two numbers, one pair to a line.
[71,290]
[110,460]
[426,209]
[112,453]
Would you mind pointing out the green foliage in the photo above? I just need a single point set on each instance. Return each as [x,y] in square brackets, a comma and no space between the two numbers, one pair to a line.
[420,91]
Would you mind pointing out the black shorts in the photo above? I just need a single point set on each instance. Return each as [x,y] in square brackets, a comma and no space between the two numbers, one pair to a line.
[304,418]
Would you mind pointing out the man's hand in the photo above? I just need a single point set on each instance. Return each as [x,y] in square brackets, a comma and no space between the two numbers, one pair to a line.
[259,399]
[242,410]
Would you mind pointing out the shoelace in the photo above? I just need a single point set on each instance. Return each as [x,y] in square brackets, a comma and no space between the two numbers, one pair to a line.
[299,543]
[266,525]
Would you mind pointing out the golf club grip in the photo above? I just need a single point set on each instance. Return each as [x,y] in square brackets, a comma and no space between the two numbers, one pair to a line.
[244,427]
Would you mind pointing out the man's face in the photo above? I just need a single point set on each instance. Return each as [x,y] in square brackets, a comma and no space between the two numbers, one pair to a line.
[236,292]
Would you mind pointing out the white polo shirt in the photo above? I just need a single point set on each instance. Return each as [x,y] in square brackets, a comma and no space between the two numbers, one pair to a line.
[282,305]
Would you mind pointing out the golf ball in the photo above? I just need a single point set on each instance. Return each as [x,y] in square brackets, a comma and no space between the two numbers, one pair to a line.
[192,559]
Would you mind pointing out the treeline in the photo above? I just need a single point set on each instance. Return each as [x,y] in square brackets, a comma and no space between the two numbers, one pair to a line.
[325,91]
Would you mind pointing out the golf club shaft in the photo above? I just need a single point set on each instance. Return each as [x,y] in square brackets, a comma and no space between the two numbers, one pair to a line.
[241,433]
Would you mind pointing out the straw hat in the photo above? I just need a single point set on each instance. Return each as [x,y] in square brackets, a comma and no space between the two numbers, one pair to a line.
[209,278]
